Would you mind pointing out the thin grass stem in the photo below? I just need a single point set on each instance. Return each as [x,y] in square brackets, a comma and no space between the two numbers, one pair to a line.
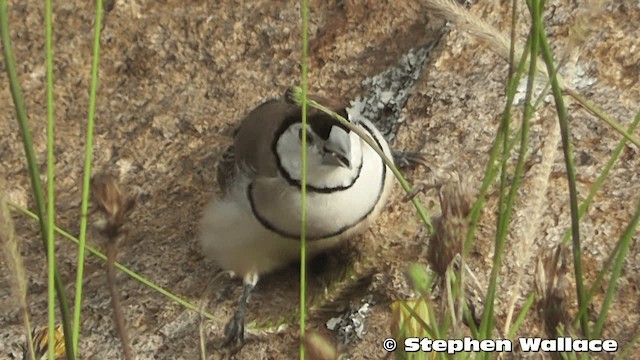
[625,242]
[629,346]
[513,330]
[507,200]
[34,172]
[51,215]
[583,208]
[87,174]
[567,148]
[93,251]
[491,172]
[433,332]
[304,8]
[594,109]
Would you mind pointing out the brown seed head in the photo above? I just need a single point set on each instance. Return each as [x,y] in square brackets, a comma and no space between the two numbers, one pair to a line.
[111,203]
[451,227]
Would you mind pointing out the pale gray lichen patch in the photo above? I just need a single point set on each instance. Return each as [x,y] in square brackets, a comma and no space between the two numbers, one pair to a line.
[387,93]
[351,325]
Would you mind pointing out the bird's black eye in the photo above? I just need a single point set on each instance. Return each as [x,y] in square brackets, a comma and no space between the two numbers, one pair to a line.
[309,137]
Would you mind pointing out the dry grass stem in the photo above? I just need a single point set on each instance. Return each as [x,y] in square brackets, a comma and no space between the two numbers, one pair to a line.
[15,265]
[493,38]
[553,290]
[113,207]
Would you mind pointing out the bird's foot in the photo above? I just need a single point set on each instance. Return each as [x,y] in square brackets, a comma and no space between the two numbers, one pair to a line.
[234,332]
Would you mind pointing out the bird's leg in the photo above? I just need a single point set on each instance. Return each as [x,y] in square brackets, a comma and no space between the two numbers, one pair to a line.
[234,330]
[409,159]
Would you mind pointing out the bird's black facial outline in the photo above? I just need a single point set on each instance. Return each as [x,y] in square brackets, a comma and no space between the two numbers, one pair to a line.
[321,124]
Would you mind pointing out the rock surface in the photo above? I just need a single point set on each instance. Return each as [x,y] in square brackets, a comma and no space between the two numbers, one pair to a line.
[175,78]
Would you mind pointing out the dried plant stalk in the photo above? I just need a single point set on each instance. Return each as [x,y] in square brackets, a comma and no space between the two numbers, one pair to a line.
[15,266]
[113,207]
[553,288]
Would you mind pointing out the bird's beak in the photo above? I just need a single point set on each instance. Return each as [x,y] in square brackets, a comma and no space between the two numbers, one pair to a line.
[337,148]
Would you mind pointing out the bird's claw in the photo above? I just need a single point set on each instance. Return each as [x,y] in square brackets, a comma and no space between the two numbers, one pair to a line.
[234,332]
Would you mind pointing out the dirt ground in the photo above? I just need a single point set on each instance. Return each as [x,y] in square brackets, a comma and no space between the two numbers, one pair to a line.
[176,77]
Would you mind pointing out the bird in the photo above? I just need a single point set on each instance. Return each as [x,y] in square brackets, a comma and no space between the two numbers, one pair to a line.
[254,227]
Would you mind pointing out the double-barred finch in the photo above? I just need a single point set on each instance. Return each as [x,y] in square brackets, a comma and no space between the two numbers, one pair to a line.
[40,338]
[255,227]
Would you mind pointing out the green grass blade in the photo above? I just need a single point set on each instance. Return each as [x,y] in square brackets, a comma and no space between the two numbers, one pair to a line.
[475,332]
[567,148]
[595,287]
[34,173]
[507,200]
[87,174]
[513,330]
[629,346]
[589,105]
[304,8]
[431,331]
[603,176]
[491,172]
[50,175]
[124,269]
[625,242]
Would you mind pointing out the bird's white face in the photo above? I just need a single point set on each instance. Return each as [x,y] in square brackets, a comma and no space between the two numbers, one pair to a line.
[332,162]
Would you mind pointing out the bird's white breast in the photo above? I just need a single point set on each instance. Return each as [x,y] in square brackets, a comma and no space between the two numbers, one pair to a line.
[233,237]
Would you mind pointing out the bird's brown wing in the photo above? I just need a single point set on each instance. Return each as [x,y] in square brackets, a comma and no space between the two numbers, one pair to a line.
[255,136]
[227,169]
